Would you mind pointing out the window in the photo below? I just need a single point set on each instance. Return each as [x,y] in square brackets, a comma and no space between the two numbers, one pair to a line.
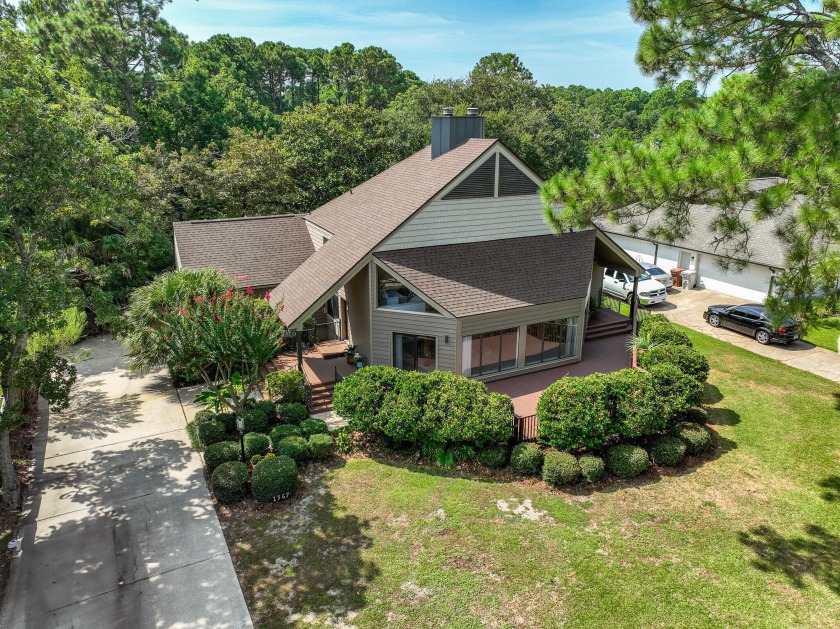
[550,340]
[490,352]
[394,295]
[415,353]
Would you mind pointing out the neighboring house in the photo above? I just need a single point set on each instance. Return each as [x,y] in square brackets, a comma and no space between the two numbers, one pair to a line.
[443,261]
[765,254]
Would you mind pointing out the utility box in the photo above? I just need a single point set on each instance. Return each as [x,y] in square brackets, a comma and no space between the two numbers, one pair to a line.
[676,275]
[689,279]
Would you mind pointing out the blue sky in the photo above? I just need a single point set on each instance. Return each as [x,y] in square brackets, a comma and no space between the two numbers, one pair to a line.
[561,42]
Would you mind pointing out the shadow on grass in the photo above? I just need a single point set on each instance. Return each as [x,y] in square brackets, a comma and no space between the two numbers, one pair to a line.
[815,554]
[711,394]
[831,485]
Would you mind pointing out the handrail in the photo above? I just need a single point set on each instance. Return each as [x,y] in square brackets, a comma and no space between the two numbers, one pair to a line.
[338,377]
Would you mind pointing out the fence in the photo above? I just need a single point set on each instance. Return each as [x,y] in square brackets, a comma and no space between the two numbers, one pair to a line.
[524,428]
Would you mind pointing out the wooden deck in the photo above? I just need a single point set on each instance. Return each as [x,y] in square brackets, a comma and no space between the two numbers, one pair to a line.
[320,362]
[601,355]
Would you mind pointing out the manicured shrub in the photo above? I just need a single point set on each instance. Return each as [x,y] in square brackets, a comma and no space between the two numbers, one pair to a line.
[230,482]
[676,390]
[492,456]
[663,332]
[256,443]
[626,461]
[667,450]
[526,458]
[278,433]
[210,432]
[575,413]
[360,396]
[255,421]
[291,413]
[229,420]
[591,468]
[401,415]
[218,453]
[320,446]
[295,448]
[687,359]
[309,427]
[344,440]
[637,409]
[697,415]
[269,408]
[696,437]
[285,386]
[203,415]
[274,478]
[559,468]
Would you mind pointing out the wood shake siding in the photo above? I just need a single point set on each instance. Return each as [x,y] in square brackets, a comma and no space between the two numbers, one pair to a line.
[387,322]
[471,220]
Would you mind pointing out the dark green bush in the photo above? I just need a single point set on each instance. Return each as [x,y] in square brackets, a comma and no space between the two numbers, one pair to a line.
[697,438]
[230,482]
[293,447]
[309,427]
[526,458]
[320,446]
[285,386]
[697,415]
[278,433]
[626,461]
[274,478]
[255,421]
[269,408]
[492,456]
[663,332]
[637,410]
[401,415]
[591,468]
[359,397]
[218,453]
[677,391]
[256,443]
[575,413]
[203,415]
[559,468]
[292,412]
[666,450]
[687,359]
[229,420]
[210,432]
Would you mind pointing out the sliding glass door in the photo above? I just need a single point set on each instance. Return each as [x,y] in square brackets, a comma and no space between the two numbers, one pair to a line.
[415,353]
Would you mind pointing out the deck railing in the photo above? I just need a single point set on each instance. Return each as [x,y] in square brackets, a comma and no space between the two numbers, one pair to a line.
[524,428]
[337,376]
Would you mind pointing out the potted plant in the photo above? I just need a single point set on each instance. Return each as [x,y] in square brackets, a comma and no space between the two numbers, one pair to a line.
[359,360]
[350,354]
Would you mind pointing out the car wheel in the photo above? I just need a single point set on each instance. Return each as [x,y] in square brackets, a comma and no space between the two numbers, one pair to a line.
[763,337]
[714,320]
[629,298]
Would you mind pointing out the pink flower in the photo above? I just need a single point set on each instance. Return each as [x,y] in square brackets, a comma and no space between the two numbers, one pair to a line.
[267,294]
[249,290]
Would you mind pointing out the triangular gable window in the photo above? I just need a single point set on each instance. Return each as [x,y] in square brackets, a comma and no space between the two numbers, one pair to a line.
[481,183]
[513,181]
[394,295]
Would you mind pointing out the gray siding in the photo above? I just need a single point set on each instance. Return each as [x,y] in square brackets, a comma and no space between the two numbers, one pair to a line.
[317,234]
[357,293]
[470,220]
[386,322]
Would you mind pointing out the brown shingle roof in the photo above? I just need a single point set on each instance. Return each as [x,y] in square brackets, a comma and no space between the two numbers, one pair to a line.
[362,218]
[478,277]
[258,251]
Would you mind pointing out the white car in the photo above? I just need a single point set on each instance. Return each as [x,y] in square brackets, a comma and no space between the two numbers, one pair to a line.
[620,284]
[658,274]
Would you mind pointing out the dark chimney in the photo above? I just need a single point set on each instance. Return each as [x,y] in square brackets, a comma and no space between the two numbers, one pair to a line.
[449,130]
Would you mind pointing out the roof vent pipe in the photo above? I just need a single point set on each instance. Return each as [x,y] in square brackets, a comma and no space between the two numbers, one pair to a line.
[448,111]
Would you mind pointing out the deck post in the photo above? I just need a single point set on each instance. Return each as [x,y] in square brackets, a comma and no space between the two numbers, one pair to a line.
[299,343]
[633,304]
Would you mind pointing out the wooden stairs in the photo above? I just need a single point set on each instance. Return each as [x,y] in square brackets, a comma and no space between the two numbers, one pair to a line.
[606,323]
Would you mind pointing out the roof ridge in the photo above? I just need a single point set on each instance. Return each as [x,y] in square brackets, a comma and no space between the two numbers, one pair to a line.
[238,218]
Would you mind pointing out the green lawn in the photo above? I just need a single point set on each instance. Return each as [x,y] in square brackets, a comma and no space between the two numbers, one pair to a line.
[824,333]
[749,536]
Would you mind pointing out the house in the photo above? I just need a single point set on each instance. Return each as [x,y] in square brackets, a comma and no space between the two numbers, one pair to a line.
[698,251]
[443,261]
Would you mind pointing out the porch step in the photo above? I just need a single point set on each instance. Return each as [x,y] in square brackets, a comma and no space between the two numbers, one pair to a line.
[604,330]
[322,397]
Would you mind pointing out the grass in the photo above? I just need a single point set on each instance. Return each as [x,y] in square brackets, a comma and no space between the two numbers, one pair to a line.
[749,536]
[824,333]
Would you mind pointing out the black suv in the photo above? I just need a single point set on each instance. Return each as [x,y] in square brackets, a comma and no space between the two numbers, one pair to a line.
[752,319]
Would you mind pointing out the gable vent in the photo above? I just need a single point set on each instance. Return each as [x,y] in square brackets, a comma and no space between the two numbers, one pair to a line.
[480,183]
[513,181]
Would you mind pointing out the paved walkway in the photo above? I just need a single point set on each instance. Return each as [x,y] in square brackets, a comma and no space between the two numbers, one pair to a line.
[686,308]
[118,529]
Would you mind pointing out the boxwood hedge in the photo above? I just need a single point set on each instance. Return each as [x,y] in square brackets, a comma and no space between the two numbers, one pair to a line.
[526,458]
[687,359]
[268,408]
[575,413]
[663,332]
[492,456]
[626,461]
[218,453]
[697,438]
[591,468]
[291,412]
[636,408]
[559,468]
[211,431]
[274,478]
[255,421]
[278,433]
[256,443]
[667,450]
[230,482]
[359,397]
[309,427]
[320,446]
[295,448]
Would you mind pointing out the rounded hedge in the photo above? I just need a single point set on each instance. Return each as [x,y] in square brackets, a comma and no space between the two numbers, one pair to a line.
[667,450]
[230,482]
[626,461]
[575,413]
[309,427]
[203,415]
[285,386]
[359,397]
[637,409]
[559,468]
[295,448]
[211,431]
[255,421]
[697,438]
[677,390]
[691,362]
[218,453]
[269,408]
[256,443]
[278,433]
[492,456]
[229,420]
[274,478]
[320,446]
[526,458]
[663,332]
[696,415]
[292,412]
[591,468]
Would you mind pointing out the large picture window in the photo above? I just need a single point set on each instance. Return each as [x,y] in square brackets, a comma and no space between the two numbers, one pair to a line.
[490,352]
[414,353]
[394,295]
[551,340]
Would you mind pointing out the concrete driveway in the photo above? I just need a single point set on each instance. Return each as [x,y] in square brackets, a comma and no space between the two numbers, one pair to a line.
[119,529]
[686,307]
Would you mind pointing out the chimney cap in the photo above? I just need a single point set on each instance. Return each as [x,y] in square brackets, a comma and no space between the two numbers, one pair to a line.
[448,111]
[472,111]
